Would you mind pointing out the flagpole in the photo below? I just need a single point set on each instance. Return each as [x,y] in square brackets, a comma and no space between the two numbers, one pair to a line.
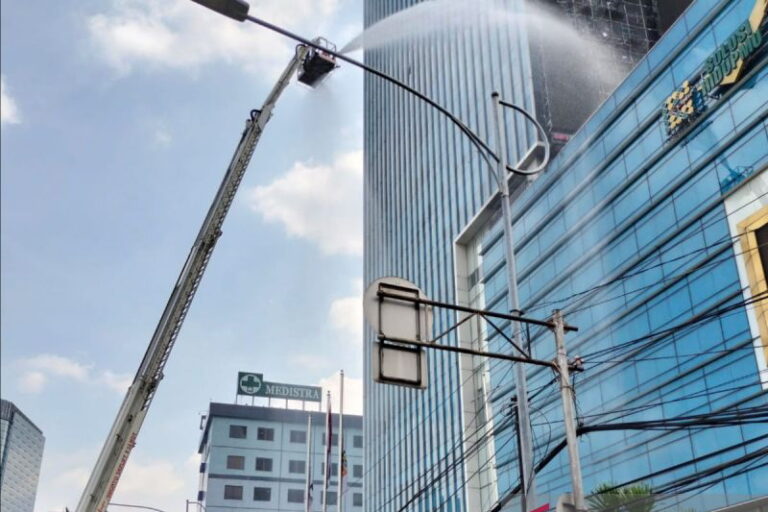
[308,497]
[328,439]
[339,493]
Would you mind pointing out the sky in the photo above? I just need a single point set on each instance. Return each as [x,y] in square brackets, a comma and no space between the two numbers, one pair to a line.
[119,118]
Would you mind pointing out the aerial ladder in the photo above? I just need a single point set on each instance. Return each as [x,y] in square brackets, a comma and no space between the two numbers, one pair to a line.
[311,64]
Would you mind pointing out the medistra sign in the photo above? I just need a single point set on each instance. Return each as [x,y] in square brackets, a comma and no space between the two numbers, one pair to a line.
[253,384]
[722,68]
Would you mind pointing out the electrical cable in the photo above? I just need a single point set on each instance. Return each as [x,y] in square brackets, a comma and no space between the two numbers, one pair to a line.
[666,248]
[675,328]
[580,431]
[473,448]
[697,268]
[656,336]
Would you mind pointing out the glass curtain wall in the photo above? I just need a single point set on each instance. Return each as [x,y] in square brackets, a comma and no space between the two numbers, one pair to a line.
[423,182]
[627,233]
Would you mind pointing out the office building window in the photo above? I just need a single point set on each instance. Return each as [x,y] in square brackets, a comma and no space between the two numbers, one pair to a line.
[296,466]
[233,492]
[331,498]
[357,471]
[334,468]
[235,462]
[238,431]
[262,494]
[334,439]
[357,499]
[298,436]
[263,464]
[357,442]
[295,495]
[265,434]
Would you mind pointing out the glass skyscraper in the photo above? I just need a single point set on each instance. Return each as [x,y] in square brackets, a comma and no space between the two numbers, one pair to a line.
[643,230]
[21,452]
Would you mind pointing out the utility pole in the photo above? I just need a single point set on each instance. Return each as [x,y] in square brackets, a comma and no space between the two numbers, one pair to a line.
[521,385]
[569,417]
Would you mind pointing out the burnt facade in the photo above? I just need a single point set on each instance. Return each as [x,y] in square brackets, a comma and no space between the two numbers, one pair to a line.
[572,81]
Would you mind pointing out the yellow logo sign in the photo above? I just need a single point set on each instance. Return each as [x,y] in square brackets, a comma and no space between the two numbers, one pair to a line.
[723,67]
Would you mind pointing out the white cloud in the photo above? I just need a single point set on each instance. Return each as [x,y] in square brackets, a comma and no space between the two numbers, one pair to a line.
[37,371]
[311,361]
[144,482]
[353,393]
[320,203]
[9,112]
[178,34]
[117,382]
[32,382]
[161,136]
[75,478]
[58,366]
[346,314]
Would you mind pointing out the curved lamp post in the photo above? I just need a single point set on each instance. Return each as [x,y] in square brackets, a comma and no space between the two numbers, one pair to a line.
[238,10]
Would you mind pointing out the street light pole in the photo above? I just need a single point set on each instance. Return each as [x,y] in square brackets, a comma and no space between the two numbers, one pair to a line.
[521,384]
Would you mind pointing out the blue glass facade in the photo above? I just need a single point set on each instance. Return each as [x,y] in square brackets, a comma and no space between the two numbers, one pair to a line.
[21,453]
[630,234]
[423,182]
[627,232]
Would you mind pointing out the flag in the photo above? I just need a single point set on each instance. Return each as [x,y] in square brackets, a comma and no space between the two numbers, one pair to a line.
[328,439]
[343,474]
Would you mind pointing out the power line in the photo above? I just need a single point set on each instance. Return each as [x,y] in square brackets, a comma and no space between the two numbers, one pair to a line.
[655,335]
[582,431]
[664,249]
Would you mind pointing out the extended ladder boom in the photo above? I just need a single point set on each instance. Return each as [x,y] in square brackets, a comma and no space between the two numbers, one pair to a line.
[122,437]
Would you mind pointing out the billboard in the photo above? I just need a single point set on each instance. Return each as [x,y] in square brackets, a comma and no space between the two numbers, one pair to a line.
[253,384]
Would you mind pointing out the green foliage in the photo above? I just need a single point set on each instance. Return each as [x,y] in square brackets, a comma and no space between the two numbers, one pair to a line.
[632,498]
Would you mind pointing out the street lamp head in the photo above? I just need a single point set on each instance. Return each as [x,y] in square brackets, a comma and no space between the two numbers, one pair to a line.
[235,9]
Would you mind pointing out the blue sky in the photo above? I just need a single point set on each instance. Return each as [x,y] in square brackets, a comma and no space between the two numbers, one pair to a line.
[118,120]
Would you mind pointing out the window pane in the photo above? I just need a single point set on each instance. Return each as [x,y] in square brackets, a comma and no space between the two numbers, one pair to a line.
[262,494]
[357,499]
[233,492]
[298,436]
[357,471]
[295,495]
[265,434]
[263,464]
[296,466]
[238,431]
[358,442]
[334,439]
[334,468]
[235,462]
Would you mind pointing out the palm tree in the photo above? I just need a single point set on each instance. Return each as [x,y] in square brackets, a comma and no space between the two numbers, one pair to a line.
[632,498]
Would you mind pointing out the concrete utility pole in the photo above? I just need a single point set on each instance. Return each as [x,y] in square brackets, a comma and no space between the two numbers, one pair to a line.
[569,417]
[521,383]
